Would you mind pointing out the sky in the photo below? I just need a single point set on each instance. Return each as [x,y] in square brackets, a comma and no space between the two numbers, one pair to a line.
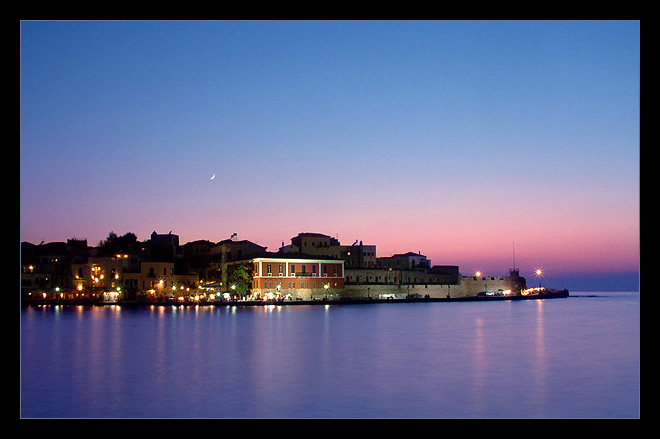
[467,141]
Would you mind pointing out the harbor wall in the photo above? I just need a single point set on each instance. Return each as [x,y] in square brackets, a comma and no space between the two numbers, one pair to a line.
[466,287]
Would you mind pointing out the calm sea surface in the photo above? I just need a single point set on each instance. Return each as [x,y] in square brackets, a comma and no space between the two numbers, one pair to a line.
[577,357]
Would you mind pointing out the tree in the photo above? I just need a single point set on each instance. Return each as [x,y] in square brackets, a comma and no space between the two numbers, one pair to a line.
[119,244]
[239,278]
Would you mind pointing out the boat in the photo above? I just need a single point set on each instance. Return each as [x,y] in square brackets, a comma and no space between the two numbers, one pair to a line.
[544,292]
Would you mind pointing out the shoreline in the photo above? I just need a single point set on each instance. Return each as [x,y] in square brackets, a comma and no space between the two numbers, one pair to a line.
[248,303]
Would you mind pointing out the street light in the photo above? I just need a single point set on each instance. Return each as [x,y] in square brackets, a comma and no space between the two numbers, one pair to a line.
[539,272]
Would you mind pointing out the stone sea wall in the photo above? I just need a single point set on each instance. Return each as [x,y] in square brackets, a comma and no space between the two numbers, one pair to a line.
[466,287]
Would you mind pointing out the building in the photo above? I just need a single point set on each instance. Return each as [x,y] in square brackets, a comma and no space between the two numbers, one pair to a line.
[47,266]
[199,255]
[163,246]
[295,276]
[230,250]
[127,276]
[314,244]
[314,266]
[436,275]
[359,255]
[443,274]
[206,258]
[356,255]
[405,261]
[159,279]
[101,275]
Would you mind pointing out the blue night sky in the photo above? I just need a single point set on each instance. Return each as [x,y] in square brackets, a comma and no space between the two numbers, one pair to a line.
[454,139]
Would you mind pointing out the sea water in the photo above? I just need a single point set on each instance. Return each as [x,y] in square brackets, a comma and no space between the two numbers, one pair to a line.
[575,357]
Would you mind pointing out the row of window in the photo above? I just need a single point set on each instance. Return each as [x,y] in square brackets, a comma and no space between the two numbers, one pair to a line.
[394,280]
[303,272]
[152,272]
[255,284]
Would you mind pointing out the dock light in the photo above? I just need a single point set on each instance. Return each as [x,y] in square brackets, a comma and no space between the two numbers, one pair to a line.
[538,273]
[478,274]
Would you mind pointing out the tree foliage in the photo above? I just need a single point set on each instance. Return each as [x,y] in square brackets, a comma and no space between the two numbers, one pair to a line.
[240,276]
[114,244]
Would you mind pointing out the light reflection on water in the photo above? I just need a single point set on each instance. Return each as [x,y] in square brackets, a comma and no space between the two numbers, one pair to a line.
[562,358]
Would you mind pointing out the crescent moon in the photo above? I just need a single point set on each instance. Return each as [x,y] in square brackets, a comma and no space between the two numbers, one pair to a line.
[213,176]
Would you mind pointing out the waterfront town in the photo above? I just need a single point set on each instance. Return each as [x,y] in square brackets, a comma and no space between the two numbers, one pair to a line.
[313,266]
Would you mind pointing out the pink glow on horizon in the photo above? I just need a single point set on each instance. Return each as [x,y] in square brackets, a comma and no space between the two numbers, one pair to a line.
[571,240]
[561,248]
[573,251]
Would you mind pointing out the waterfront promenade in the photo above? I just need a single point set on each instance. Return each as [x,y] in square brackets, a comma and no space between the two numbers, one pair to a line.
[346,301]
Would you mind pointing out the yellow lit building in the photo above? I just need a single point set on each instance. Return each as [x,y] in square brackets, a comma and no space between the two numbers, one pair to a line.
[124,273]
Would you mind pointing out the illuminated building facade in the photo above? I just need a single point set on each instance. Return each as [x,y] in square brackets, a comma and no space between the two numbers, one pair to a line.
[296,276]
[124,273]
